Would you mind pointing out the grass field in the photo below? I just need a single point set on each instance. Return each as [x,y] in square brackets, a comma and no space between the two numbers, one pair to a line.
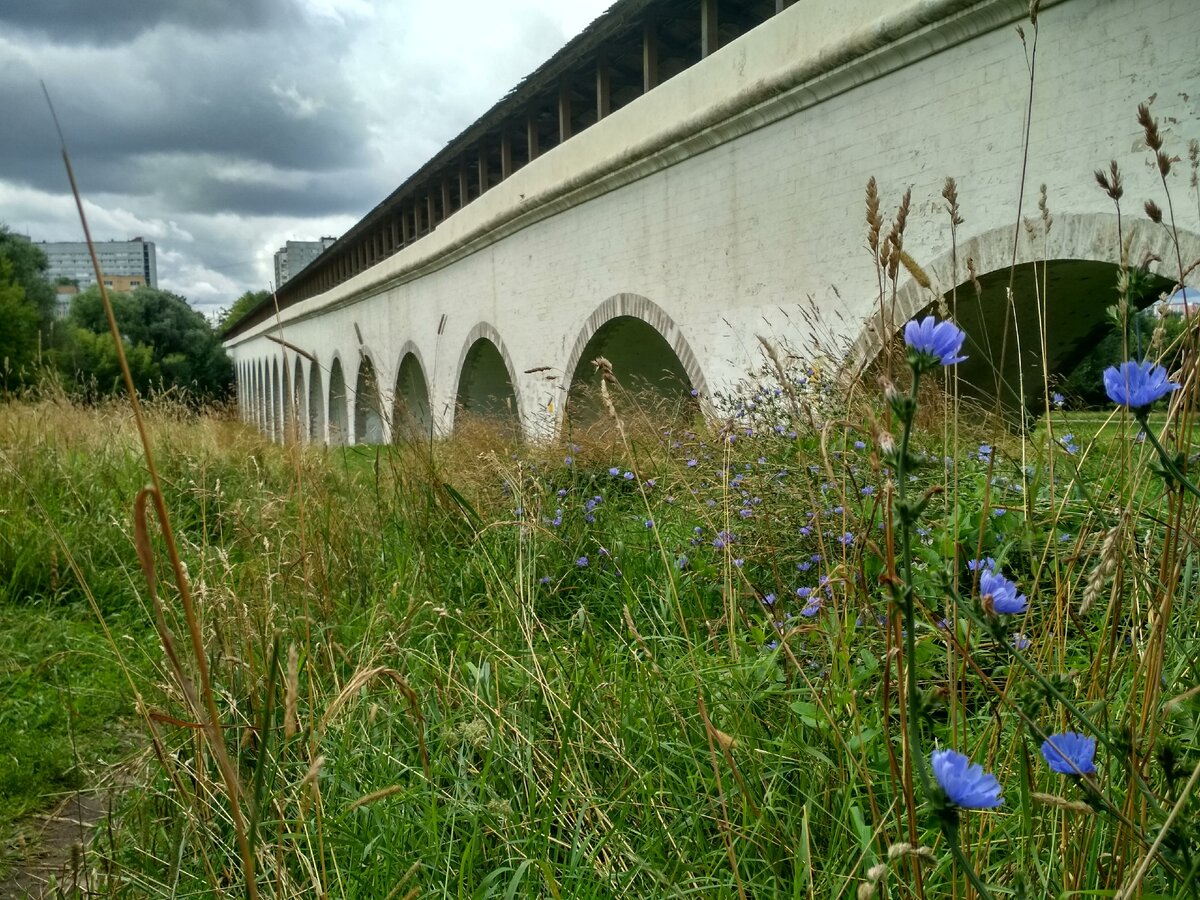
[670,665]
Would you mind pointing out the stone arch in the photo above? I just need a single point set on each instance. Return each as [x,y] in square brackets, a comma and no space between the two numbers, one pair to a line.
[299,399]
[316,404]
[339,426]
[411,414]
[276,402]
[285,398]
[1080,254]
[264,398]
[644,344]
[368,411]
[486,386]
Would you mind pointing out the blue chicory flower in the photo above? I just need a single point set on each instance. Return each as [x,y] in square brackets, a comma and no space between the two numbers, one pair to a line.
[1070,753]
[939,343]
[1137,384]
[1000,594]
[965,783]
[582,562]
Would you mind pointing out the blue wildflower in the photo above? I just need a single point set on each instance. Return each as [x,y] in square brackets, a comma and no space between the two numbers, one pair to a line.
[1070,753]
[965,783]
[582,562]
[1137,384]
[614,471]
[987,564]
[934,343]
[1058,400]
[1020,642]
[1000,595]
[628,476]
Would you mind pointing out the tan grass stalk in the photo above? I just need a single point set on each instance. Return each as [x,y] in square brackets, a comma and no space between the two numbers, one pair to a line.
[210,716]
[1104,569]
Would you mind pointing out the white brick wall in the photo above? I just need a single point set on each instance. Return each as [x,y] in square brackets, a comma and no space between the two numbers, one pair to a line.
[724,240]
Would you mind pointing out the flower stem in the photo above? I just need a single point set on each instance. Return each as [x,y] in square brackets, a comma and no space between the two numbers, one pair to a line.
[1167,462]
[908,514]
[950,830]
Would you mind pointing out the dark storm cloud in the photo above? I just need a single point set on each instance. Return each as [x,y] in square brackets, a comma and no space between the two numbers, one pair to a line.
[222,128]
[116,21]
[282,106]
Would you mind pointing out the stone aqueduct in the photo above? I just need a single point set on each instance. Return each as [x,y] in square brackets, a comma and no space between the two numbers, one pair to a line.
[688,174]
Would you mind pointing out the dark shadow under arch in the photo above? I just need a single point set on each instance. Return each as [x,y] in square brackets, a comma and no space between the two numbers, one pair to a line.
[316,405]
[643,362]
[276,402]
[1074,267]
[300,400]
[411,417]
[339,425]
[368,415]
[486,389]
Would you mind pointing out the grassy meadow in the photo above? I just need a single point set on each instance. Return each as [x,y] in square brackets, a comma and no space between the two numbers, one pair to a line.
[644,660]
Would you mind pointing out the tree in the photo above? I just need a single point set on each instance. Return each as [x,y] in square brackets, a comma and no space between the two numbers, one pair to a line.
[29,265]
[241,306]
[169,344]
[19,335]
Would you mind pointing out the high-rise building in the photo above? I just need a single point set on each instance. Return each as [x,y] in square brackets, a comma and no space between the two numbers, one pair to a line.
[295,255]
[131,262]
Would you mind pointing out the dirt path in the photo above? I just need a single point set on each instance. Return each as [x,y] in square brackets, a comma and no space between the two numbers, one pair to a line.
[59,864]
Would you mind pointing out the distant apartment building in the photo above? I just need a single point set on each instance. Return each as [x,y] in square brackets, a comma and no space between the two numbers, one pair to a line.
[295,255]
[126,264]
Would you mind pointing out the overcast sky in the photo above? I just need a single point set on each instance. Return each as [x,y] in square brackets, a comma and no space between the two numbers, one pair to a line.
[221,128]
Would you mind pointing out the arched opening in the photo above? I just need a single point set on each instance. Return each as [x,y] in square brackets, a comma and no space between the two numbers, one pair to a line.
[339,430]
[368,418]
[316,405]
[285,397]
[644,364]
[264,418]
[264,399]
[411,418]
[1004,347]
[276,402]
[299,400]
[1064,281]
[485,388]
